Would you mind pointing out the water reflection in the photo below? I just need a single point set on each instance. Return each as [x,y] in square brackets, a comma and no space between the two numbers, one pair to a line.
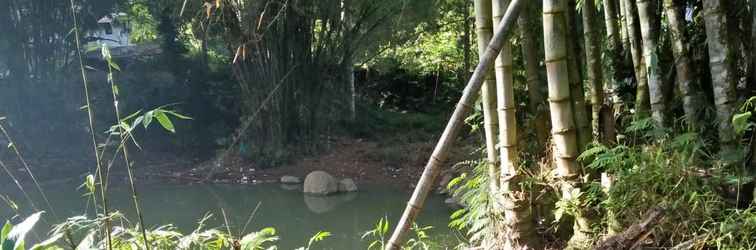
[323,204]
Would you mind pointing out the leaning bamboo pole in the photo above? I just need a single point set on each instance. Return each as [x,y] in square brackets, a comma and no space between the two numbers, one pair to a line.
[484,30]
[455,124]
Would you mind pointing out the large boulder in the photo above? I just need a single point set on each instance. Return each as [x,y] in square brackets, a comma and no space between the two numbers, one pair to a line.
[347,185]
[288,179]
[320,183]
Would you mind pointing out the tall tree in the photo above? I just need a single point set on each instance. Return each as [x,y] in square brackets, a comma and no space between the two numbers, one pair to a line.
[564,130]
[683,66]
[722,68]
[484,30]
[521,233]
[536,102]
[593,65]
[650,35]
[639,63]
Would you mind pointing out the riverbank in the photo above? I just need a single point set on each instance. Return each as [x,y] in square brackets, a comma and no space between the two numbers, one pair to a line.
[396,161]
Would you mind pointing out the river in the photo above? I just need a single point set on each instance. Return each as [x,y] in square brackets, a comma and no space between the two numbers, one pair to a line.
[295,216]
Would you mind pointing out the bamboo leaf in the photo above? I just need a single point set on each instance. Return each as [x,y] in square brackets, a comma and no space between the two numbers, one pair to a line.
[15,238]
[148,118]
[47,244]
[165,121]
[5,231]
[741,122]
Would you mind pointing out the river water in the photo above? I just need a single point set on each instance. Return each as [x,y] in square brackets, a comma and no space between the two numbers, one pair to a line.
[295,216]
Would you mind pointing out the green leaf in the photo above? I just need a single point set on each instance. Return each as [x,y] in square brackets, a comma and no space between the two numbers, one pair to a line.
[5,231]
[177,115]
[114,65]
[105,52]
[165,121]
[15,239]
[741,122]
[256,240]
[48,243]
[148,118]
[87,243]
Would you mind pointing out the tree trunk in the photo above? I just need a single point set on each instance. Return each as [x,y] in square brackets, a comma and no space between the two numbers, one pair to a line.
[562,119]
[649,32]
[484,30]
[580,110]
[722,70]
[639,64]
[455,124]
[593,65]
[536,101]
[516,203]
[682,59]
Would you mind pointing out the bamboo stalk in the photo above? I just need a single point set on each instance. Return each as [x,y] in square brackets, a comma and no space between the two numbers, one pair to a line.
[593,65]
[536,100]
[639,64]
[722,70]
[650,37]
[484,30]
[90,116]
[520,226]
[682,59]
[577,92]
[614,53]
[455,124]
[561,94]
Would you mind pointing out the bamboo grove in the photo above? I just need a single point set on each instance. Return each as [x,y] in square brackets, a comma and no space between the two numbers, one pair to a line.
[608,64]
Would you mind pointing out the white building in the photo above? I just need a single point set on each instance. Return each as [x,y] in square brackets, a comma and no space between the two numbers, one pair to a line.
[113,30]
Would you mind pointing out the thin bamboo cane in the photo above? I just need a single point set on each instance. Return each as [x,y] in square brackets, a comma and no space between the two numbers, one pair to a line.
[455,124]
[90,116]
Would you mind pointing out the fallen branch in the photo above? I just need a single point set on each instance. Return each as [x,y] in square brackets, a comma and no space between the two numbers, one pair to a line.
[635,234]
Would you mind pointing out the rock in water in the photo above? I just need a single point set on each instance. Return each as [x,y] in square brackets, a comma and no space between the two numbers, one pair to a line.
[288,179]
[347,185]
[320,183]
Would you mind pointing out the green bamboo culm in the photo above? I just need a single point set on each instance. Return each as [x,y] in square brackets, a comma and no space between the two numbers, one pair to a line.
[90,115]
[124,147]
